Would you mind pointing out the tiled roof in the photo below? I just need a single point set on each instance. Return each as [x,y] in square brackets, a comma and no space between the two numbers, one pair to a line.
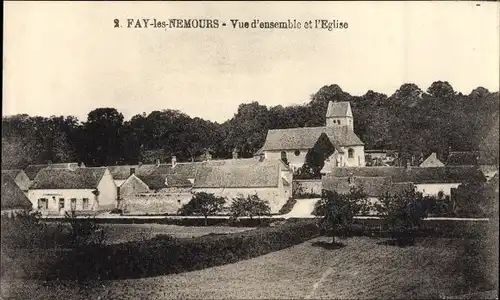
[461,159]
[306,137]
[337,109]
[12,196]
[32,170]
[82,178]
[416,175]
[372,186]
[121,172]
[237,176]
[432,161]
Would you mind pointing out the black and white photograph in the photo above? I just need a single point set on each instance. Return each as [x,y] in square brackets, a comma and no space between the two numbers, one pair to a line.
[250,150]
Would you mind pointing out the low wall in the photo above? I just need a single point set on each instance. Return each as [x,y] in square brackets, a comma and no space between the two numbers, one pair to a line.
[303,187]
[155,204]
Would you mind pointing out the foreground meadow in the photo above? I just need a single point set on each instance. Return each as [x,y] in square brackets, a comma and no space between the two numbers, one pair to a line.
[365,268]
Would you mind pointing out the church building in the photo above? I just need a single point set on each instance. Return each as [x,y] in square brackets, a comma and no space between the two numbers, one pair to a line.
[293,144]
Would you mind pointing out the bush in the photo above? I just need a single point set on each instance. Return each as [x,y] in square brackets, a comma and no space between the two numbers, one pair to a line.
[164,255]
[203,204]
[288,206]
[404,214]
[249,206]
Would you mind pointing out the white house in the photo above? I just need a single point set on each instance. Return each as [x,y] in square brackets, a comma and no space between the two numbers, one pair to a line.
[293,144]
[55,191]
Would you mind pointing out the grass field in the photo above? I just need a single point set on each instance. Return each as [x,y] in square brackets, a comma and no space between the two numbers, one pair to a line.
[364,268]
[119,233]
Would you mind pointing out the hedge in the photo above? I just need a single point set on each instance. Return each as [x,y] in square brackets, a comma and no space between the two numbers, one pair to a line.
[166,254]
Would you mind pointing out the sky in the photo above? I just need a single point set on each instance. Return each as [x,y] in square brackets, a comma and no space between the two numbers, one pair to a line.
[65,58]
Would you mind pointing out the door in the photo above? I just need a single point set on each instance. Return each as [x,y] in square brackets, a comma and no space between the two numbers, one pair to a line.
[43,204]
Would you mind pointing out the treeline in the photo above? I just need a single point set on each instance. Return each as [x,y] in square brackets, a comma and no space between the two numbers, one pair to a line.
[412,121]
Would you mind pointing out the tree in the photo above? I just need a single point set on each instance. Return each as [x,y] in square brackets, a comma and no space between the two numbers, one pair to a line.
[338,210]
[205,204]
[403,213]
[103,135]
[249,206]
[316,156]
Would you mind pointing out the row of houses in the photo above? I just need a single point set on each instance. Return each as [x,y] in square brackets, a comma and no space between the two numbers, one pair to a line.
[162,188]
[150,188]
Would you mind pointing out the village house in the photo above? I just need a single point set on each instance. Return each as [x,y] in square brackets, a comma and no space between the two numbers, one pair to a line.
[55,191]
[164,193]
[292,145]
[20,178]
[13,199]
[265,180]
[429,181]
[431,161]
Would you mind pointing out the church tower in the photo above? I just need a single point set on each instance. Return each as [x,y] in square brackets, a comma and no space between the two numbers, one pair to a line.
[339,114]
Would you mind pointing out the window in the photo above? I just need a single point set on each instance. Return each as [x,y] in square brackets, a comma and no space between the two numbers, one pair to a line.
[350,153]
[85,203]
[283,157]
[297,152]
[338,121]
[61,203]
[73,203]
[43,203]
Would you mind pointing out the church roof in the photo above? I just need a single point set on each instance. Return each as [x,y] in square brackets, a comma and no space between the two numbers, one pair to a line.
[306,137]
[338,109]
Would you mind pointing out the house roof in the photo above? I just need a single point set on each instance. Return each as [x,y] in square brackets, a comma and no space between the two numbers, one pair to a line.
[12,196]
[372,186]
[82,178]
[432,161]
[461,158]
[415,175]
[337,109]
[32,170]
[237,176]
[306,137]
[121,172]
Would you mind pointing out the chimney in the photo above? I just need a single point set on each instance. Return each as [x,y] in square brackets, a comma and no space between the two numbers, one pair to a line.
[140,164]
[235,153]
[174,161]
[132,171]
[158,162]
[49,162]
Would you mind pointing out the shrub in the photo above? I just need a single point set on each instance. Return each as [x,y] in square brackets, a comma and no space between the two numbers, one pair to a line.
[288,206]
[249,206]
[84,231]
[169,255]
[403,213]
[204,204]
[116,211]
[338,210]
